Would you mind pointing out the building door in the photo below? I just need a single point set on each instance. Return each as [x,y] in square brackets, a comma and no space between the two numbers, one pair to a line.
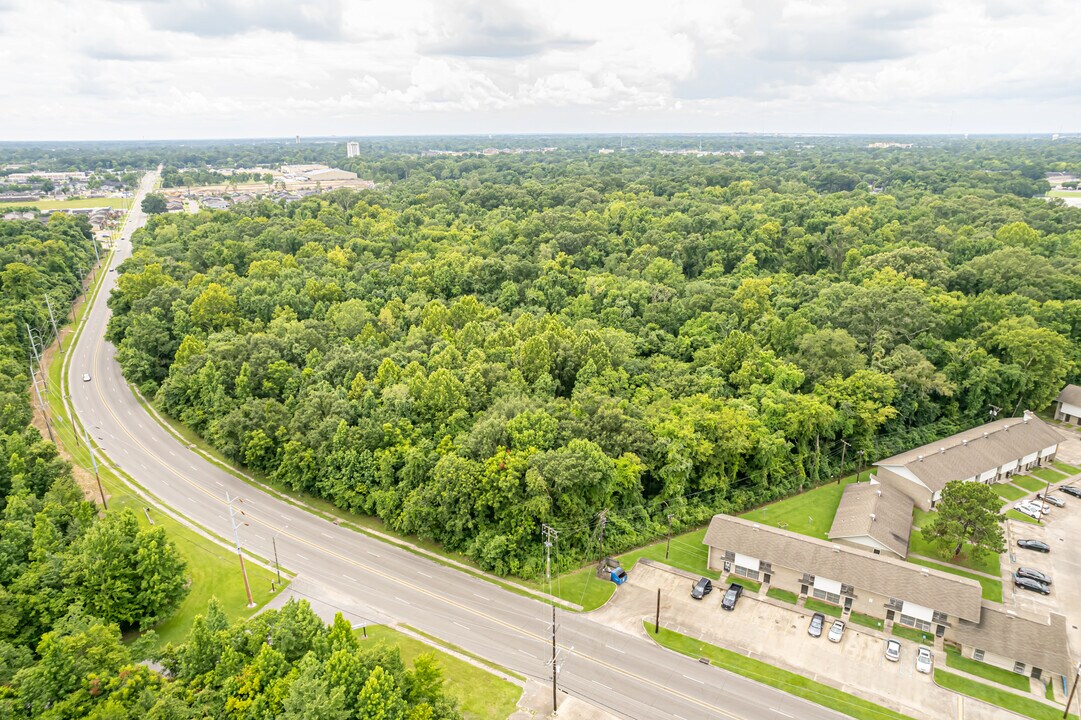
[889,615]
[765,578]
[940,631]
[848,604]
[802,589]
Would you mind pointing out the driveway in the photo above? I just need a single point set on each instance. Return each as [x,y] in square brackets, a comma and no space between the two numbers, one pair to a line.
[778,635]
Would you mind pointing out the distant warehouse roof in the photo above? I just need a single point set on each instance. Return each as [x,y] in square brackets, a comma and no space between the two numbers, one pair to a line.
[880,574]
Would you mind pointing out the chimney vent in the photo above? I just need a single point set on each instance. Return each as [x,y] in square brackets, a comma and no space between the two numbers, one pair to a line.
[872,517]
[919,458]
[878,492]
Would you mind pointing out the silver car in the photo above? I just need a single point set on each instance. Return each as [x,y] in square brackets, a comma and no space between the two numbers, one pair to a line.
[1056,501]
[837,631]
[893,650]
[925,661]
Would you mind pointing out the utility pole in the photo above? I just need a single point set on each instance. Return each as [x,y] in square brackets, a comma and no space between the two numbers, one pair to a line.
[550,535]
[995,410]
[841,472]
[44,412]
[657,622]
[274,542]
[52,319]
[94,461]
[1073,690]
[36,354]
[603,516]
[236,542]
[860,471]
[669,543]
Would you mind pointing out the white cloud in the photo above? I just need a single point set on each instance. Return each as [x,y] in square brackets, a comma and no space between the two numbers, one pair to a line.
[213,68]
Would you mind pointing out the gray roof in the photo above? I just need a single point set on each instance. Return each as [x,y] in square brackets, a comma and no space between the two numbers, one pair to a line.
[880,574]
[1036,640]
[1071,394]
[877,511]
[977,450]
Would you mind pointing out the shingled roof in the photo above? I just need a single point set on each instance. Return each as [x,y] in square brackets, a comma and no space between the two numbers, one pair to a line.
[977,450]
[1036,640]
[1071,395]
[957,596]
[877,511]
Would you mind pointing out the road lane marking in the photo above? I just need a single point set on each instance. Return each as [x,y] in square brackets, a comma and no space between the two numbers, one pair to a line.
[700,682]
[782,713]
[349,578]
[403,602]
[326,535]
[464,627]
[373,554]
[424,574]
[302,557]
[614,648]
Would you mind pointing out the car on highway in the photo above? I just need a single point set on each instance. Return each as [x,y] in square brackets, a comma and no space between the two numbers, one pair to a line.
[701,588]
[1029,584]
[925,661]
[1033,574]
[1037,545]
[1056,501]
[837,631]
[86,377]
[731,596]
[815,628]
[893,650]
[1071,490]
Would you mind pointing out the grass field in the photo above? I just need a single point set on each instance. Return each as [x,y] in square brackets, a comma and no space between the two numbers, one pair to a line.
[1010,492]
[1032,484]
[480,694]
[122,203]
[920,518]
[748,585]
[782,595]
[1002,698]
[1049,475]
[809,513]
[1064,193]
[916,636]
[865,620]
[824,608]
[1014,515]
[775,677]
[957,661]
[1068,469]
[987,563]
[992,589]
[213,569]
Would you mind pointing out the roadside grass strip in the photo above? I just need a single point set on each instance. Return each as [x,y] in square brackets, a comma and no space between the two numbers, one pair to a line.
[809,513]
[782,595]
[868,621]
[1002,698]
[1014,515]
[957,661]
[1030,483]
[992,589]
[824,608]
[480,694]
[1052,476]
[767,674]
[1009,492]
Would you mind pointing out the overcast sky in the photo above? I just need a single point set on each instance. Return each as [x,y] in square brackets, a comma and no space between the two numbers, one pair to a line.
[119,69]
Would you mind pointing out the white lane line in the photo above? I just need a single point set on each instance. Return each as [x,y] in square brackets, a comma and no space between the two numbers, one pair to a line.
[372,554]
[782,713]
[424,574]
[302,557]
[480,596]
[348,578]
[219,483]
[694,679]
[326,535]
[404,602]
[172,453]
[464,627]
[526,653]
[614,648]
[598,682]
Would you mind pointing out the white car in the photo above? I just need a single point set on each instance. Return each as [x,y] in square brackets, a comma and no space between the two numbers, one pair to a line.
[893,650]
[86,377]
[925,661]
[1025,508]
[837,631]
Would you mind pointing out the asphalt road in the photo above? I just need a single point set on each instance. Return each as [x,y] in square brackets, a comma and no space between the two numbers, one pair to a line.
[622,673]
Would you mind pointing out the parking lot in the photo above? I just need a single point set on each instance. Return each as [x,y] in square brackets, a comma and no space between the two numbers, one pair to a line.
[777,634]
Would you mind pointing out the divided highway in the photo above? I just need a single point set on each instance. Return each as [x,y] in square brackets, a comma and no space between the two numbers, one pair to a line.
[624,674]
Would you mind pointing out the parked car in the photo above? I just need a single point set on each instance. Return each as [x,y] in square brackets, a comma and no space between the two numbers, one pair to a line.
[1033,574]
[1042,507]
[837,631]
[1057,502]
[1037,545]
[1029,584]
[1071,490]
[1027,508]
[701,588]
[815,628]
[731,596]
[86,377]
[893,650]
[925,661]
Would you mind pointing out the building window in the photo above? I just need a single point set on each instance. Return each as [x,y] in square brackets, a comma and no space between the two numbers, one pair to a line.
[827,596]
[895,603]
[876,551]
[745,572]
[1019,667]
[939,617]
[977,655]
[915,623]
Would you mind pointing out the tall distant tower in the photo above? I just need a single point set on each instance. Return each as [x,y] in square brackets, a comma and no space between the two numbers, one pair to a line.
[352,149]
[298,139]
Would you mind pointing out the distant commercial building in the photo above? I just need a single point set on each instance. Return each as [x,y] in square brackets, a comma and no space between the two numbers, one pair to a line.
[352,149]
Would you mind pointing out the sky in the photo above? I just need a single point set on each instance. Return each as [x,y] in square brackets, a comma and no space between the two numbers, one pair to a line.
[161,69]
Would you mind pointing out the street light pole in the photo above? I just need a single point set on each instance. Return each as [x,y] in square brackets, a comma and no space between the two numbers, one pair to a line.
[236,542]
[274,542]
[52,319]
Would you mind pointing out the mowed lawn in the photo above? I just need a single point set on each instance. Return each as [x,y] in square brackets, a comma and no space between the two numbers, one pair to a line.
[1030,483]
[1049,475]
[480,694]
[809,513]
[992,589]
[1068,469]
[111,202]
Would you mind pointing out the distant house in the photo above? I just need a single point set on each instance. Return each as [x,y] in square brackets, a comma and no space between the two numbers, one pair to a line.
[988,453]
[215,203]
[874,517]
[1069,405]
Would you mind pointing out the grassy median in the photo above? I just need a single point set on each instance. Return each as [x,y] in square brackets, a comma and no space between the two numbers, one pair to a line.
[1002,698]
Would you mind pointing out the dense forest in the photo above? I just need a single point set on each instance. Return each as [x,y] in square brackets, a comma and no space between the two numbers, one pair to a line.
[491,343]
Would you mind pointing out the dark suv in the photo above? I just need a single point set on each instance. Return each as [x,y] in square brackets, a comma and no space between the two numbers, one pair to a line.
[731,596]
[701,588]
[815,628]
[1071,490]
